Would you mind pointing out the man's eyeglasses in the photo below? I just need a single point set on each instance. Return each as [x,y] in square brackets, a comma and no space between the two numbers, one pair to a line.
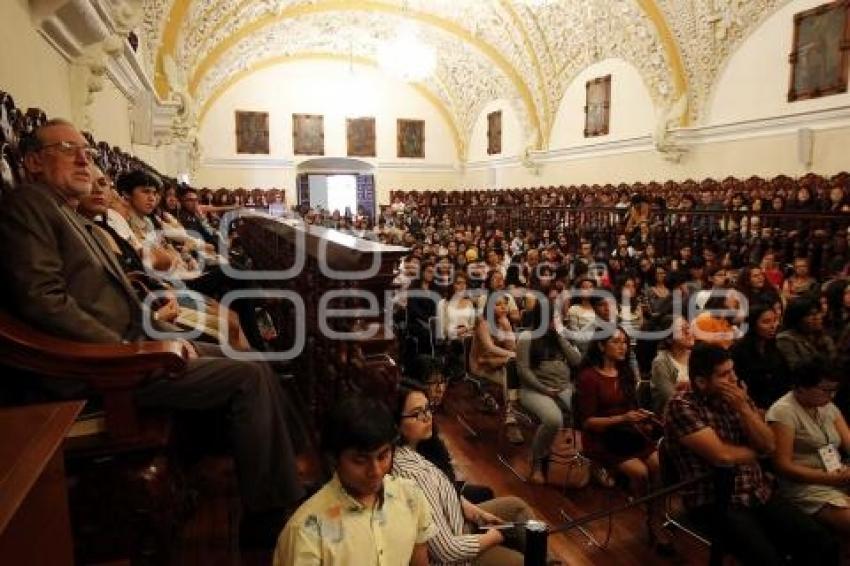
[421,414]
[70,149]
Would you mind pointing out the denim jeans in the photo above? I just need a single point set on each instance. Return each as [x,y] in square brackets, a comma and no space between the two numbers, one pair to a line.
[552,415]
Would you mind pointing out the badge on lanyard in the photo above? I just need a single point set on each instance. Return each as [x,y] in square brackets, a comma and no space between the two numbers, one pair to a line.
[830,458]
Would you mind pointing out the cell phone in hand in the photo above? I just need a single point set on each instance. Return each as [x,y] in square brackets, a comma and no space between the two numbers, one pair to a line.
[498,527]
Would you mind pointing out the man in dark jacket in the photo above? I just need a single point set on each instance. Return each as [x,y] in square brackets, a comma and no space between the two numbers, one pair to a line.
[61,277]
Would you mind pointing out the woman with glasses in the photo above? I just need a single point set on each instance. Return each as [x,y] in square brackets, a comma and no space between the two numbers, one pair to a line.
[810,435]
[457,541]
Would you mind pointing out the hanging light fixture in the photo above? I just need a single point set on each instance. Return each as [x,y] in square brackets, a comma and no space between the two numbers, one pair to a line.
[358,95]
[406,56]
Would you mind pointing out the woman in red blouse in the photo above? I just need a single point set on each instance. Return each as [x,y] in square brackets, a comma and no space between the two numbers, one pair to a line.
[615,432]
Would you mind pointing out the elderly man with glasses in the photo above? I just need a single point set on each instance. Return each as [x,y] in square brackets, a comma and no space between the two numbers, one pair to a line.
[61,276]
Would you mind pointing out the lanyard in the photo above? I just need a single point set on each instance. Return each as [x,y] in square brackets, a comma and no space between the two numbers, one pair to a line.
[818,423]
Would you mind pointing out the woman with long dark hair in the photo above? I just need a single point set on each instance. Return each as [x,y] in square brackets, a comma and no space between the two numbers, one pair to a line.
[492,356]
[615,433]
[422,457]
[753,283]
[758,360]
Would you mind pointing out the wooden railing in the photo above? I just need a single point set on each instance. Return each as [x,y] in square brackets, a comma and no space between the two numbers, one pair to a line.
[793,233]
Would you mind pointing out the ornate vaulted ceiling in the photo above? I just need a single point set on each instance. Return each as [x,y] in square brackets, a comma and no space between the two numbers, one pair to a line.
[525,51]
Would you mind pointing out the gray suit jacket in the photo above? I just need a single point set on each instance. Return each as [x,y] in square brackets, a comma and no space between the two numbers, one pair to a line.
[59,275]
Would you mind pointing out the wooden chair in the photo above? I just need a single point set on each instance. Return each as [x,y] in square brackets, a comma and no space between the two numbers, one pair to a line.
[126,496]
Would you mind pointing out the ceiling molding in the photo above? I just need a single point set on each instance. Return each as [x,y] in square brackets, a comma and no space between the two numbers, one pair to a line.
[671,47]
[167,43]
[262,64]
[248,163]
[167,46]
[535,63]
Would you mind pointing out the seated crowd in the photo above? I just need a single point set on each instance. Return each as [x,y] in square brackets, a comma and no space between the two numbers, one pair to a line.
[734,349]
[731,348]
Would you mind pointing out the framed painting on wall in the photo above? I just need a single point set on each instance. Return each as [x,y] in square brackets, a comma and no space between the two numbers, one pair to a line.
[494,132]
[308,134]
[598,109]
[360,133]
[252,132]
[819,56]
[411,138]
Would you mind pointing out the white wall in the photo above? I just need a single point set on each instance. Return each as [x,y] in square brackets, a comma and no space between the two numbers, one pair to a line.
[755,81]
[110,117]
[765,156]
[513,138]
[632,110]
[319,87]
[36,75]
[30,69]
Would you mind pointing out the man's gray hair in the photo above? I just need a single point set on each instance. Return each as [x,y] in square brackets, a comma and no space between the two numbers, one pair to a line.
[32,142]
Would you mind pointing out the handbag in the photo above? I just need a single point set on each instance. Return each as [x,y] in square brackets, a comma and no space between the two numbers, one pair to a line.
[578,472]
[577,466]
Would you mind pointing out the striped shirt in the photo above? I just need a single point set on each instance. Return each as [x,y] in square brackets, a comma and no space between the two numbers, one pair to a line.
[449,545]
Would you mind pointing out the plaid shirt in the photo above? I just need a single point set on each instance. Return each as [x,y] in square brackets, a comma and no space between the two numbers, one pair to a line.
[690,412]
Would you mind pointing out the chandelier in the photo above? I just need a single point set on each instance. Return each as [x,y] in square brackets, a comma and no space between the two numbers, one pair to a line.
[407,57]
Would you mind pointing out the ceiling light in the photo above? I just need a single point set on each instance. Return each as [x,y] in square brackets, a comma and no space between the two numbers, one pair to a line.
[407,57]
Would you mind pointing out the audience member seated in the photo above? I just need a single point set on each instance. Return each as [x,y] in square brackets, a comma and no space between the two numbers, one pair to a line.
[581,314]
[194,312]
[456,319]
[657,290]
[801,283]
[838,328]
[118,220]
[429,376]
[455,517]
[492,356]
[669,373]
[422,300]
[62,278]
[170,201]
[543,366]
[717,424]
[495,283]
[717,280]
[141,192]
[754,285]
[362,515]
[804,336]
[193,221]
[758,360]
[715,324]
[771,269]
[810,436]
[615,433]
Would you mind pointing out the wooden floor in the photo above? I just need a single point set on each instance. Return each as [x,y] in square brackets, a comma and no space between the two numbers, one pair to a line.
[210,538]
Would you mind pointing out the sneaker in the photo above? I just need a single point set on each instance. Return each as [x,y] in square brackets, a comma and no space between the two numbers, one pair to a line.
[602,477]
[513,433]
